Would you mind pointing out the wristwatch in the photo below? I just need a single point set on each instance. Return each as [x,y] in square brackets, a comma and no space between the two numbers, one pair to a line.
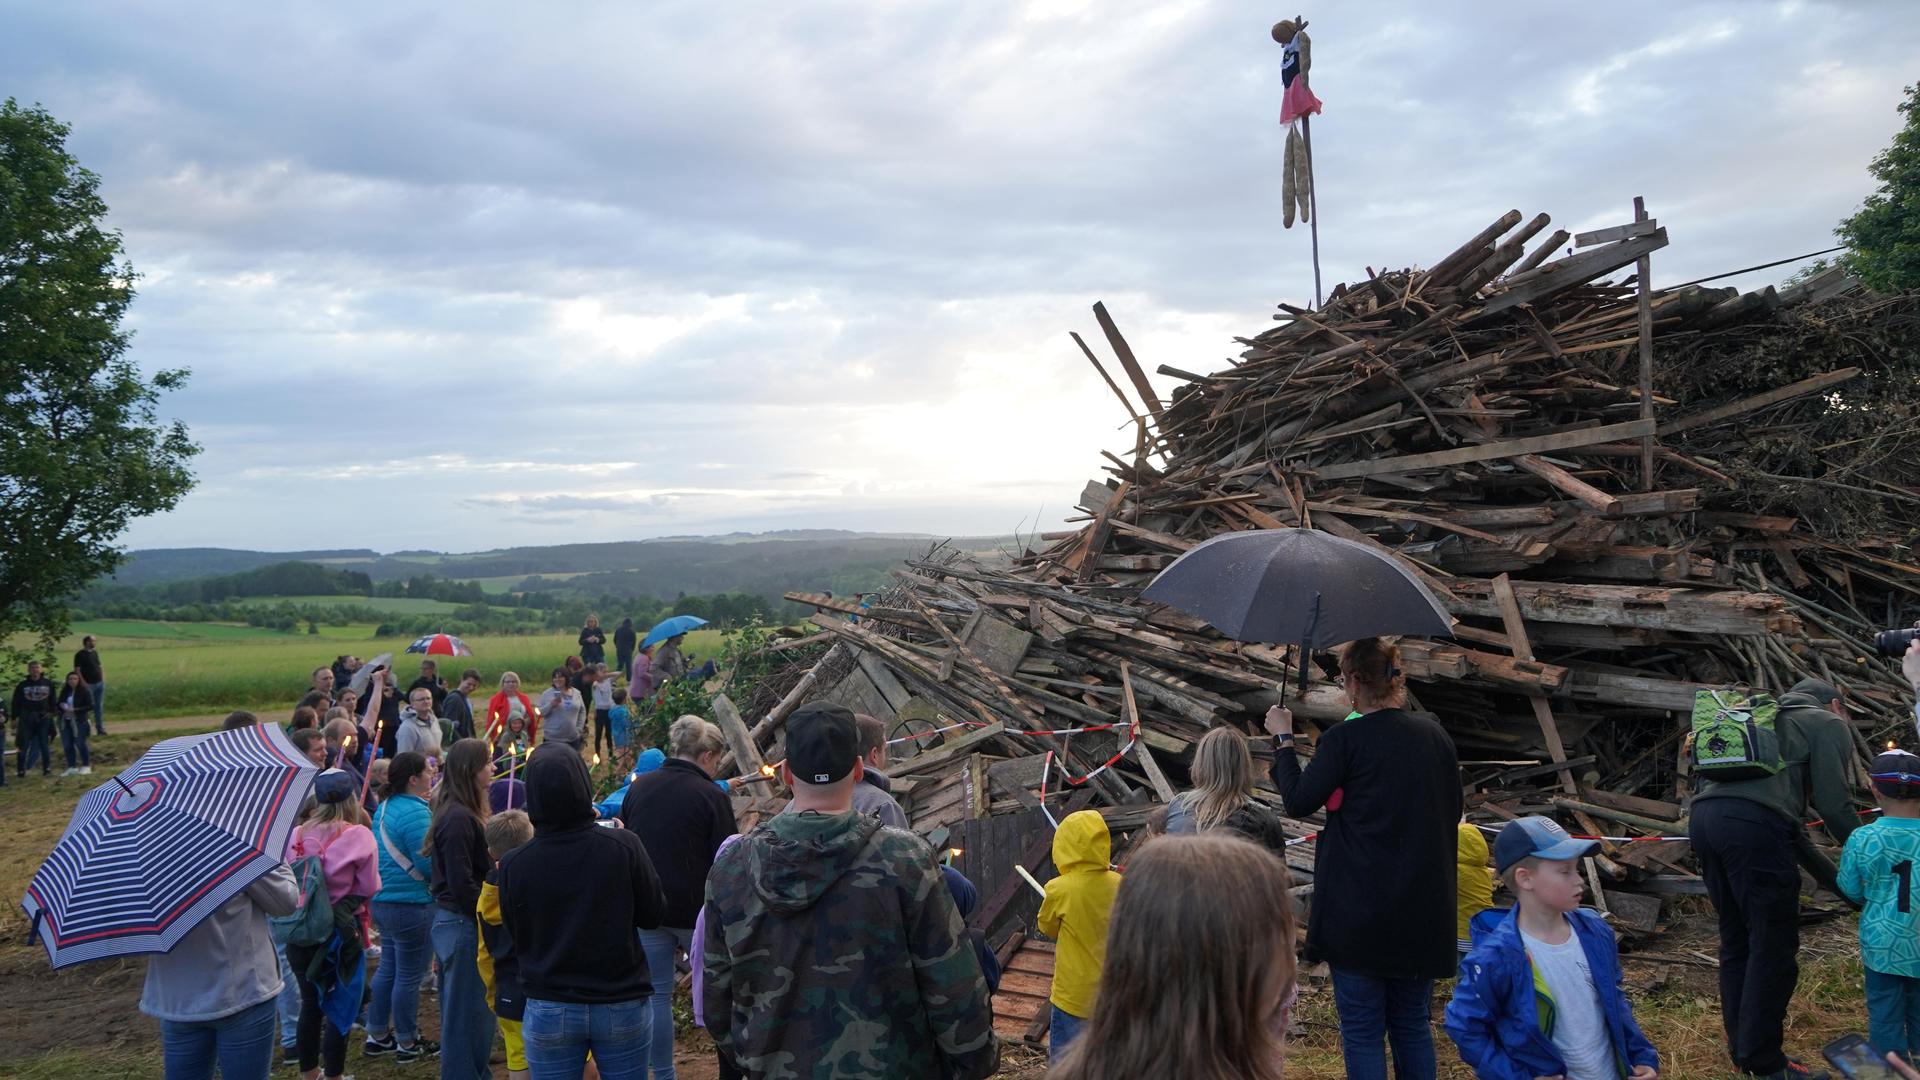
[1282,740]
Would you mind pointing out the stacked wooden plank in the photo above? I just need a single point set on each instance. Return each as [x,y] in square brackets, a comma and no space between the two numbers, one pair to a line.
[1621,495]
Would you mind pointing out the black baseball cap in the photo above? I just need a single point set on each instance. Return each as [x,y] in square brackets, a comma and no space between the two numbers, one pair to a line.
[823,742]
[1896,774]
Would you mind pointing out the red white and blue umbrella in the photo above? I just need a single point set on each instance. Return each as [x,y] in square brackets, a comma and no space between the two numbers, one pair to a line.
[440,645]
[151,853]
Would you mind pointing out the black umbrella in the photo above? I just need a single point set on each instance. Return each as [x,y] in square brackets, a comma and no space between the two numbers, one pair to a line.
[1298,587]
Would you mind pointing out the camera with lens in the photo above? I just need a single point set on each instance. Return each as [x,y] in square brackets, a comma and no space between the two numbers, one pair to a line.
[1895,643]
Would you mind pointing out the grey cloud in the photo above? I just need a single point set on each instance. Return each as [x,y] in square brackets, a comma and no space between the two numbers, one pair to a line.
[501,233]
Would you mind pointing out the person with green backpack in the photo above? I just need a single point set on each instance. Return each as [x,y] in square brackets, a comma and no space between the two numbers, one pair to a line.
[1759,764]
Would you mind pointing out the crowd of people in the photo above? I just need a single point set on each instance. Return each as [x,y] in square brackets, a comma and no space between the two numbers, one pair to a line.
[461,845]
[75,707]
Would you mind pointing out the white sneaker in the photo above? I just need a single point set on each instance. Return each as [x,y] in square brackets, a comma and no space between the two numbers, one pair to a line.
[71,771]
[86,770]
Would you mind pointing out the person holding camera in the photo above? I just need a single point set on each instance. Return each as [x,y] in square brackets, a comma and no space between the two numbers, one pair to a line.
[1910,667]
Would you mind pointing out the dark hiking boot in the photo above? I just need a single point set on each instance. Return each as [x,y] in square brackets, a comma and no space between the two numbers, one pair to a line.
[1796,1070]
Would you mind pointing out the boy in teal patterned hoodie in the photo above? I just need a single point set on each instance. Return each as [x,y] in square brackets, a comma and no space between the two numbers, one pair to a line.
[1879,868]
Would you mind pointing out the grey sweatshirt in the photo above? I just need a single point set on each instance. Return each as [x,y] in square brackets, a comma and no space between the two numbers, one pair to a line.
[227,963]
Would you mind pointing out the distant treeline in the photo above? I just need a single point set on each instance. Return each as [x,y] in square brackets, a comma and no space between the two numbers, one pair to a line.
[236,598]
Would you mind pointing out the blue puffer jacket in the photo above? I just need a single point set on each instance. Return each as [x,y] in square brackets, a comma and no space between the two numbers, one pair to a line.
[406,818]
[1501,1016]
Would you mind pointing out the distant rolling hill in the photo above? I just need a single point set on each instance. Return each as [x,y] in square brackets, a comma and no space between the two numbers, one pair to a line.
[764,564]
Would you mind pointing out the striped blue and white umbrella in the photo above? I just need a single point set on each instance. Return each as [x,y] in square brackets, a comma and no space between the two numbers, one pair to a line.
[154,851]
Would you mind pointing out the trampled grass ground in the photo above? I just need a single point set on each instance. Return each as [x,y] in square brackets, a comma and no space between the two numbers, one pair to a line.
[187,669]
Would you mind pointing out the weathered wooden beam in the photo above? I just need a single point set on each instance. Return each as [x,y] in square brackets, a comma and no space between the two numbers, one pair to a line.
[1132,714]
[1650,607]
[1574,270]
[1814,385]
[1127,361]
[1509,607]
[746,755]
[1511,448]
[1568,483]
[1642,227]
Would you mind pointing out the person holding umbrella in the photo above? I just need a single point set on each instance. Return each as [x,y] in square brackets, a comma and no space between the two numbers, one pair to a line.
[214,994]
[1383,868]
[181,856]
[667,661]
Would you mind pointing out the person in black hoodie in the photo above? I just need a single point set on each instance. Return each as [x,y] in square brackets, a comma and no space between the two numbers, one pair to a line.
[1384,867]
[457,843]
[33,719]
[572,899]
[681,816]
[624,639]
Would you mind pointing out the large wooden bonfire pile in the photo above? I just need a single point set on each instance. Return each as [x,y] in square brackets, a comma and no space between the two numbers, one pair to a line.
[1605,551]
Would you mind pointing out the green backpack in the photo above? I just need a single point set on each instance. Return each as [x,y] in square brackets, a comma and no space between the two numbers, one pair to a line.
[1734,737]
[311,922]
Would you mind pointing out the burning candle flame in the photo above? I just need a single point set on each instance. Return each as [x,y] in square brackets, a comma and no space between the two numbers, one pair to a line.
[766,770]
[956,852]
[596,759]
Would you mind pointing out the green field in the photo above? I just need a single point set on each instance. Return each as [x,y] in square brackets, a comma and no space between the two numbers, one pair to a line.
[188,669]
[400,605]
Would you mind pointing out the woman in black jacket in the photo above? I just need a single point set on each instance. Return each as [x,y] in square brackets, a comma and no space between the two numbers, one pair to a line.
[593,642]
[1384,865]
[681,816]
[457,841]
[74,703]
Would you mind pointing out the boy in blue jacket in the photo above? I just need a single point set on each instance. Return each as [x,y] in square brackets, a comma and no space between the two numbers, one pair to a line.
[1539,995]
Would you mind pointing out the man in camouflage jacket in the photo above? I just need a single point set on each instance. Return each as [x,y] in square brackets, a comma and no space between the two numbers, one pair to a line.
[833,947]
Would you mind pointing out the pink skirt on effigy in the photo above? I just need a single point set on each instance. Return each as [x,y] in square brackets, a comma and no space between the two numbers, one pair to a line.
[1298,101]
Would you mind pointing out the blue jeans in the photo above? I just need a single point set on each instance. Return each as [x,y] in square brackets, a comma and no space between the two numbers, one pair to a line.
[466,1017]
[288,1003]
[406,941]
[73,737]
[242,1045]
[1893,1012]
[1061,1031]
[99,691]
[31,743]
[661,946]
[559,1036]
[1396,1011]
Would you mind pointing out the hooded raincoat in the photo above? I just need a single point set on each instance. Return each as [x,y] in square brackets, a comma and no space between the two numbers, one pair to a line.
[1079,902]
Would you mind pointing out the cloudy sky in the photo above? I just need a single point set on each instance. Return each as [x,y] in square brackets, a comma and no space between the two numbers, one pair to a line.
[464,276]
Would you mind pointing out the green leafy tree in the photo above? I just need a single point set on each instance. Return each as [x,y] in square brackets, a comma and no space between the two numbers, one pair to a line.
[82,452]
[1883,237]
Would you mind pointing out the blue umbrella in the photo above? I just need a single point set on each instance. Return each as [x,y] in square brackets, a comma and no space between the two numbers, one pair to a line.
[148,856]
[673,627]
